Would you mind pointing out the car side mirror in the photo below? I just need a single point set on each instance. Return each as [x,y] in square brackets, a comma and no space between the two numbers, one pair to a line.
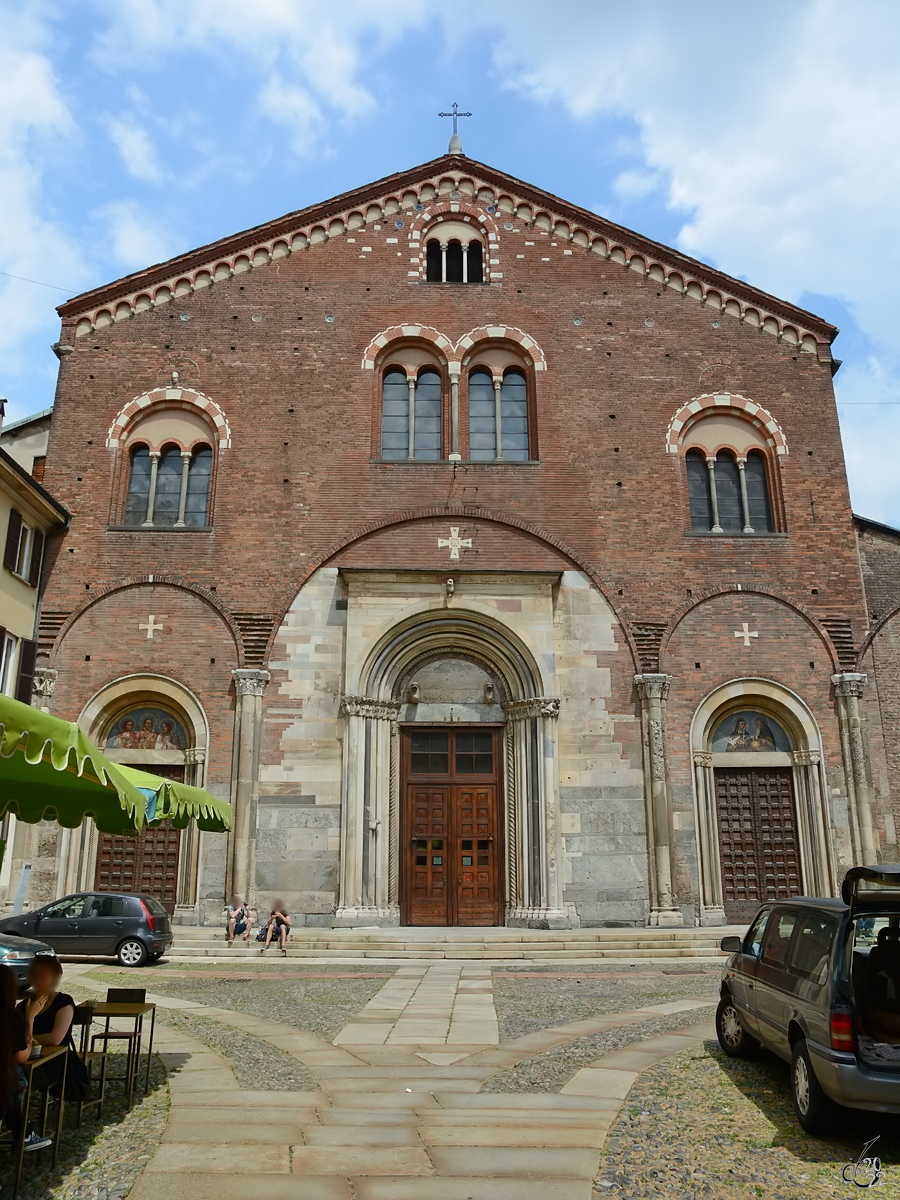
[732,944]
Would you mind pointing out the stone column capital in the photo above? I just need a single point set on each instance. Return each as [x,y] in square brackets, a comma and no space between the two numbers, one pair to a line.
[849,683]
[250,682]
[194,755]
[805,758]
[534,706]
[653,686]
[703,758]
[369,706]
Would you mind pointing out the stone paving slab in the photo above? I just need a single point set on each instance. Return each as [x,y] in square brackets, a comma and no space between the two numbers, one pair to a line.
[227,1132]
[399,1134]
[359,1160]
[467,1189]
[196,1186]
[487,1133]
[236,1159]
[361,1117]
[520,1162]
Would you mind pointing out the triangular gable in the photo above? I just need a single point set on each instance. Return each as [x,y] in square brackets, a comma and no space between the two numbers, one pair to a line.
[441,183]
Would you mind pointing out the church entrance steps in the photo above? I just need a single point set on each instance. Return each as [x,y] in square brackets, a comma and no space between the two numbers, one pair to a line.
[495,944]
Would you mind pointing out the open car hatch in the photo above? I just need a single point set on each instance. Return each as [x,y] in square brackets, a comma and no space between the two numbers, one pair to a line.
[871,889]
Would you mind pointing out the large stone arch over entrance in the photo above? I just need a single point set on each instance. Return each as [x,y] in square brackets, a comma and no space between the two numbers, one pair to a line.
[179,749]
[386,702]
[745,765]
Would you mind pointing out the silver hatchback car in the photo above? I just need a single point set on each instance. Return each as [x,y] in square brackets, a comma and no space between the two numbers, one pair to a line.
[817,982]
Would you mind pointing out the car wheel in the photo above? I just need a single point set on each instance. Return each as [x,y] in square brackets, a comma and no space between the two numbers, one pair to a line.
[816,1112]
[733,1037]
[132,953]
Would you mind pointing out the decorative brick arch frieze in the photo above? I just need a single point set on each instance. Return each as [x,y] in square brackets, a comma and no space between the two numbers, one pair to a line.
[448,512]
[454,352]
[725,402]
[745,590]
[170,397]
[134,581]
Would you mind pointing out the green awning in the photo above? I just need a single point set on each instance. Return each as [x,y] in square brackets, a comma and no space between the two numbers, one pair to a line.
[50,771]
[180,803]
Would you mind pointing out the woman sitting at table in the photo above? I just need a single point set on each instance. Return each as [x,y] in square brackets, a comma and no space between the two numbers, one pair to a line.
[15,1050]
[52,1022]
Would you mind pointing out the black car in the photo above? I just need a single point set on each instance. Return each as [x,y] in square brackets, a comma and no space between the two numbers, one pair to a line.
[17,953]
[817,982]
[135,929]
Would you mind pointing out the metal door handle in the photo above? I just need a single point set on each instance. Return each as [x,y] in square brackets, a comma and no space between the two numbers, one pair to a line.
[459,879]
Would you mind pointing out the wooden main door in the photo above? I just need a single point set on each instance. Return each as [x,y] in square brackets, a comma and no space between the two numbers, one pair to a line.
[758,843]
[146,864]
[451,828]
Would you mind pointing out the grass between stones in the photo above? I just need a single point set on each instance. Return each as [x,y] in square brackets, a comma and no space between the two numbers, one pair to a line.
[702,1126]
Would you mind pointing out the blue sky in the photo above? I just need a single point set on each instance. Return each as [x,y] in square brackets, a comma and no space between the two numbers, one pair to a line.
[763,140]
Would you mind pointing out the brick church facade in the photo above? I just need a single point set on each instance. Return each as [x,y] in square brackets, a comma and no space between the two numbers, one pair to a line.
[496,562]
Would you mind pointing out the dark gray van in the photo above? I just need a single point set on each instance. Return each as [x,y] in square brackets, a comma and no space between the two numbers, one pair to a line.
[817,982]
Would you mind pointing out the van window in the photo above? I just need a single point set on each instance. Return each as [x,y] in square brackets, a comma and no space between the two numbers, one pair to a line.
[778,937]
[811,947]
[753,940]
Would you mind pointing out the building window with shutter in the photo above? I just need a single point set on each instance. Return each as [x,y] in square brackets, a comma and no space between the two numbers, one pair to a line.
[24,549]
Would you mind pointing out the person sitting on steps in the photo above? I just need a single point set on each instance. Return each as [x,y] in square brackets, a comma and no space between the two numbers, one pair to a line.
[238,919]
[278,921]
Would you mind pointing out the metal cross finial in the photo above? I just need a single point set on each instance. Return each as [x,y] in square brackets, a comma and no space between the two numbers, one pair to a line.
[455,143]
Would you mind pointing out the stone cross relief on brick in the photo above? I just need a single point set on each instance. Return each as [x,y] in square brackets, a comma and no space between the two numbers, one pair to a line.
[150,624]
[454,542]
[746,633]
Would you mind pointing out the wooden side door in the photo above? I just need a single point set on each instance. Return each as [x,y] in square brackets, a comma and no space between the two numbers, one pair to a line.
[477,876]
[758,843]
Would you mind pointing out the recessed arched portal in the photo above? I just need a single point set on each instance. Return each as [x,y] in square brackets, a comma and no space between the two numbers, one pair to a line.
[153,723]
[450,803]
[759,794]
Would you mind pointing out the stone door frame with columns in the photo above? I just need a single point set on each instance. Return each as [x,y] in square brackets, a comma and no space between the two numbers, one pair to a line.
[370,861]
[78,847]
[805,759]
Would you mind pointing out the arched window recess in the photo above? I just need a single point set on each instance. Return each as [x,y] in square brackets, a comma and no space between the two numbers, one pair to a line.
[498,416]
[454,253]
[170,466]
[411,413]
[730,482]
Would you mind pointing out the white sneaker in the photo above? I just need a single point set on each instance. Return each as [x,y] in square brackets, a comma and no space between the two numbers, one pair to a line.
[34,1141]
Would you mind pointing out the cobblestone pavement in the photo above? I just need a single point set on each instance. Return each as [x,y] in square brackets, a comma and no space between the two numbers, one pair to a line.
[702,1126]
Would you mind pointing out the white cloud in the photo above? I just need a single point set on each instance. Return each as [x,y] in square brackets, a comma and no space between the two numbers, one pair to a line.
[135,239]
[633,185]
[33,116]
[295,107]
[133,143]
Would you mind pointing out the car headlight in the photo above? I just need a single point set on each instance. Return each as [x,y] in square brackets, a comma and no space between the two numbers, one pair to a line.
[5,955]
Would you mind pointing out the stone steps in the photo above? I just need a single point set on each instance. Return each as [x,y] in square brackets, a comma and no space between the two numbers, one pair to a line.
[499,944]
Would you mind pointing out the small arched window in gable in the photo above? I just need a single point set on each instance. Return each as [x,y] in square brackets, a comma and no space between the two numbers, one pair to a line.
[454,253]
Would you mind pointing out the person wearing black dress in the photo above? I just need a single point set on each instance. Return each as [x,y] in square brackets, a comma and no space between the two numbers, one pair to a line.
[15,1048]
[51,1023]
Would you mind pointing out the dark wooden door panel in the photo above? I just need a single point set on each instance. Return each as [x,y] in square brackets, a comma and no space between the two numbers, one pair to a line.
[451,828]
[145,864]
[758,843]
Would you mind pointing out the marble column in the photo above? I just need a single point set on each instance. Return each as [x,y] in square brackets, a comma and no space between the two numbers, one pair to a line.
[370,813]
[848,690]
[533,846]
[249,686]
[194,761]
[654,692]
[712,910]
